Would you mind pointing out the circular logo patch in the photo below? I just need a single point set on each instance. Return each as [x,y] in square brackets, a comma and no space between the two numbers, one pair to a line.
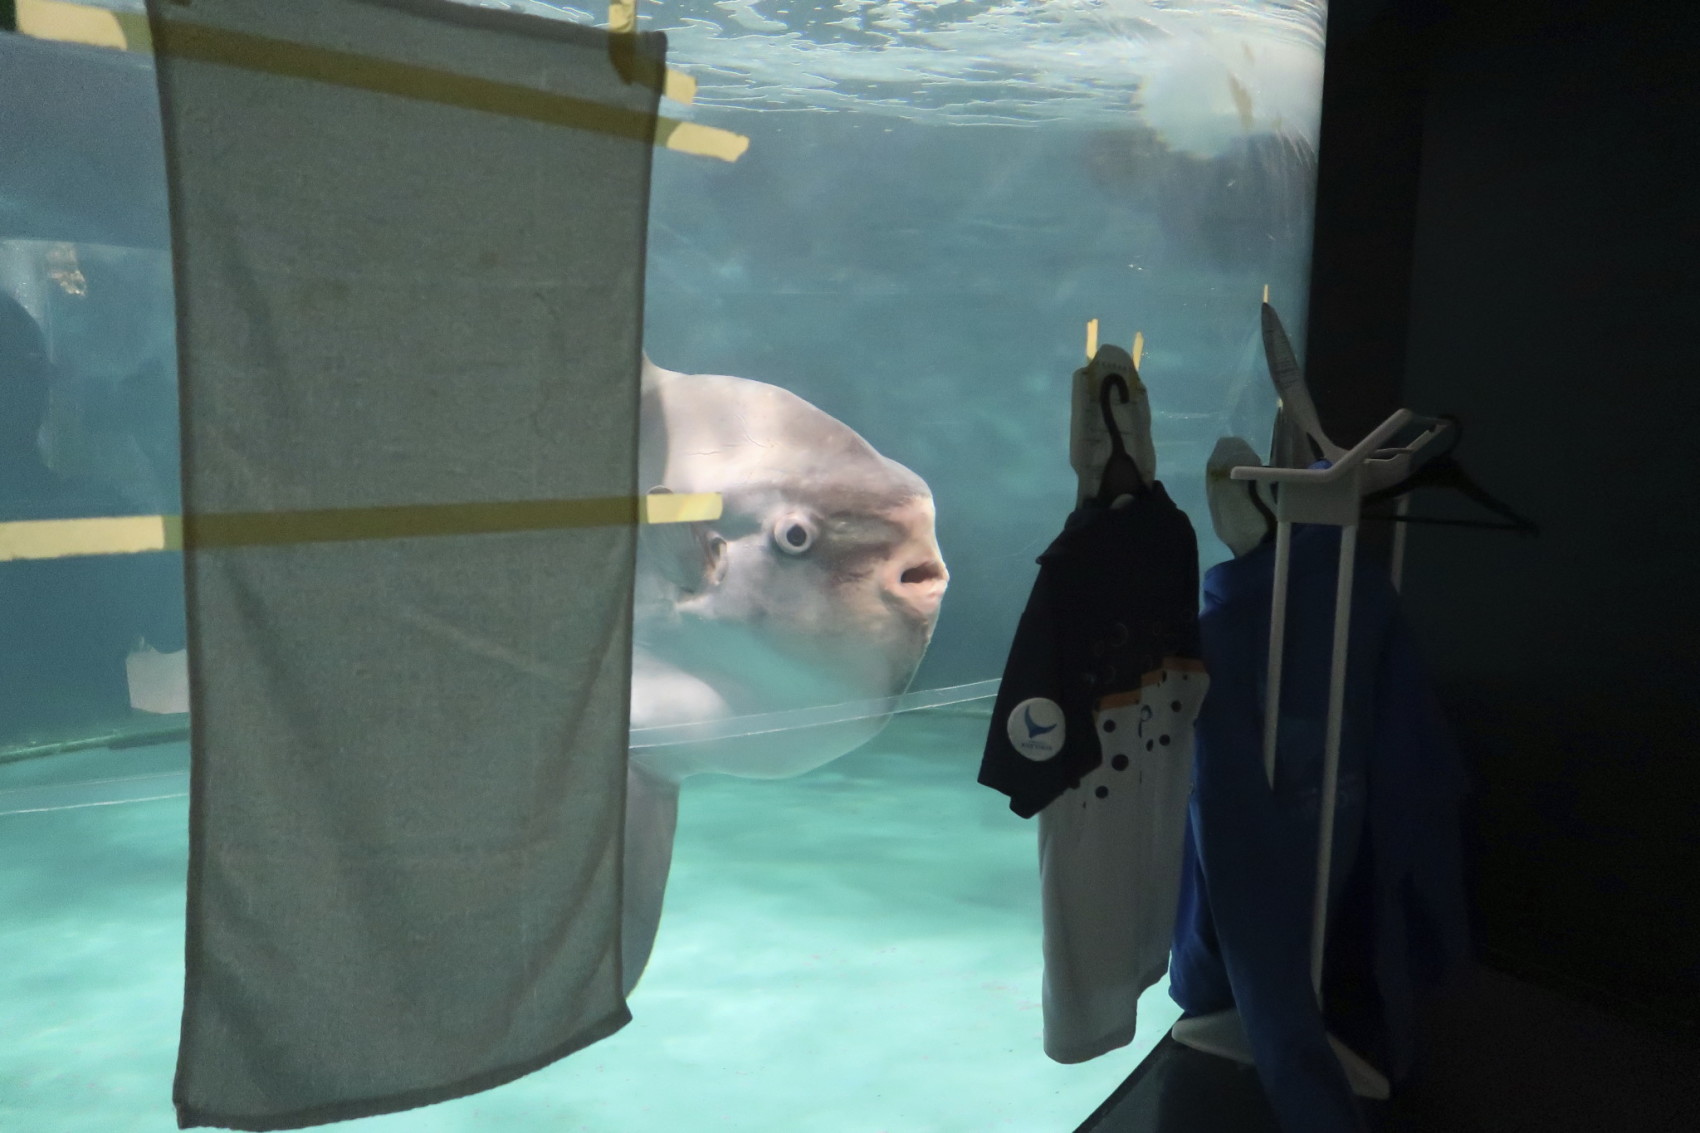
[1036,729]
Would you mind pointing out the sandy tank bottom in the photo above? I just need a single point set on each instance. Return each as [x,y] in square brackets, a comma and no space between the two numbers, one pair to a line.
[855,950]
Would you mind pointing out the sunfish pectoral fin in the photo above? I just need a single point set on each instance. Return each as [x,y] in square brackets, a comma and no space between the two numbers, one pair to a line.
[692,556]
[652,817]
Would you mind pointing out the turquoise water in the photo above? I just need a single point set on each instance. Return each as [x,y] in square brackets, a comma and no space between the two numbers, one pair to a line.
[935,200]
[938,197]
[856,949]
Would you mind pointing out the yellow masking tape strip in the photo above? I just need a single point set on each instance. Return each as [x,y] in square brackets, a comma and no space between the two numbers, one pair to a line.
[704,141]
[666,507]
[74,23]
[63,538]
[1138,347]
[680,87]
[623,20]
[1266,293]
[136,31]
[1091,340]
[336,525]
[295,60]
[66,538]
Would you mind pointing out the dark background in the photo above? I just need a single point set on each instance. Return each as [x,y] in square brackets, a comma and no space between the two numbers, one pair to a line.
[1506,230]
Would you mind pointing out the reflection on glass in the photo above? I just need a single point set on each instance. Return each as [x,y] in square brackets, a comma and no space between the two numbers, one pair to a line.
[88,413]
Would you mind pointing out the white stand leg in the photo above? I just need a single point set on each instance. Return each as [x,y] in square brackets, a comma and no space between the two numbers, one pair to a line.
[1366,1080]
[1331,496]
[1223,1034]
[1277,645]
[1400,531]
[1331,754]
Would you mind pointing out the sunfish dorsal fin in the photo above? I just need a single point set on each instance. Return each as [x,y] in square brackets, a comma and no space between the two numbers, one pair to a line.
[650,374]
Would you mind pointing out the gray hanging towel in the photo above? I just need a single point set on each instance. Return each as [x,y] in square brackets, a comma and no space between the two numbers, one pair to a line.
[409,247]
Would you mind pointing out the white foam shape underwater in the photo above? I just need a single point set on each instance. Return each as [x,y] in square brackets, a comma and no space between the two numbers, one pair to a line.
[1204,74]
[744,14]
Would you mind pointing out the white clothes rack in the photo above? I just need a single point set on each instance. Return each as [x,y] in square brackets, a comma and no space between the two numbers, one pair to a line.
[1331,496]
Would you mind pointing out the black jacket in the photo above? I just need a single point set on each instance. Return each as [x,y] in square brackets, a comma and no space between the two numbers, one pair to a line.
[1116,596]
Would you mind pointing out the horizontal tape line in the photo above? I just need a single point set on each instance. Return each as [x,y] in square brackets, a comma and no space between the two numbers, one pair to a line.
[79,23]
[71,22]
[205,44]
[98,792]
[175,784]
[791,719]
[67,538]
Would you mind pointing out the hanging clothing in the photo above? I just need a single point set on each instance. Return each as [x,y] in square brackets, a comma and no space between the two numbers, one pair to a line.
[409,248]
[1092,731]
[1242,933]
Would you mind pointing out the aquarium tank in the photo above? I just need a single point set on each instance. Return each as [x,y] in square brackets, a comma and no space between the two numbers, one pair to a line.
[936,198]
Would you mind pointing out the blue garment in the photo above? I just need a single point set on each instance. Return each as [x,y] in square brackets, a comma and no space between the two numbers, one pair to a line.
[1242,933]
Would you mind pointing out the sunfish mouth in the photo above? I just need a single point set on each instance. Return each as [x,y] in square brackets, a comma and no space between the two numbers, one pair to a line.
[914,578]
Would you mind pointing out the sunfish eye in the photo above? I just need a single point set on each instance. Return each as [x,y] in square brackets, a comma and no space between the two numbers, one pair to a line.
[794,534]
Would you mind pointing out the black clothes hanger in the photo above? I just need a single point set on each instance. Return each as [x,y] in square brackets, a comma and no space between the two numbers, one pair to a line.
[1121,474]
[1444,471]
[1269,523]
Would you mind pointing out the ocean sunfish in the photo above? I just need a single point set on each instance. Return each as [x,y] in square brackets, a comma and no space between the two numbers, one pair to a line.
[819,585]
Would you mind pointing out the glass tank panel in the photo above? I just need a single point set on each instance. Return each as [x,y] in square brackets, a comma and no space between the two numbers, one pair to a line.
[935,199]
